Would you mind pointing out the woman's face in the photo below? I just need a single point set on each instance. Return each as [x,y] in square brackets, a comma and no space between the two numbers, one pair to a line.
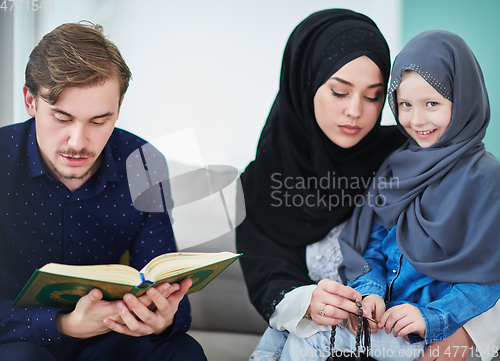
[348,104]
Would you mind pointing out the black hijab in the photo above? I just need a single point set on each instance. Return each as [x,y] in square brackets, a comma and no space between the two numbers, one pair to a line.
[292,146]
[444,199]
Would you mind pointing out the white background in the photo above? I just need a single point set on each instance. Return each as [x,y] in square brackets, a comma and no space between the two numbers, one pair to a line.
[210,65]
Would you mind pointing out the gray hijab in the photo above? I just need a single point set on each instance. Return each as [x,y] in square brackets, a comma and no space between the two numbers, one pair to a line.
[444,199]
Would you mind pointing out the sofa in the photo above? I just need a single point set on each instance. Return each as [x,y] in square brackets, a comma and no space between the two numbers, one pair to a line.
[224,321]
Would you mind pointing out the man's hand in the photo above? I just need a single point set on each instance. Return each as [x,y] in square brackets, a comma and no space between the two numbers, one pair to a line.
[165,289]
[403,320]
[86,320]
[373,307]
[456,347]
[140,318]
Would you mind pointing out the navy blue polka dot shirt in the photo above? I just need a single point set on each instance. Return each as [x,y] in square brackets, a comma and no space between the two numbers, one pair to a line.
[42,221]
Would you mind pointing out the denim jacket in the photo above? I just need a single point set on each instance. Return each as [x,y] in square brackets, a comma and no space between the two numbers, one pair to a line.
[445,307]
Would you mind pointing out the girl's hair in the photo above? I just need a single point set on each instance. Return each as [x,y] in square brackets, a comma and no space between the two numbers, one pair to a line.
[74,55]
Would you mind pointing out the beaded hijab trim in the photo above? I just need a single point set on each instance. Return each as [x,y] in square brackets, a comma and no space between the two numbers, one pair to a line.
[337,47]
[444,91]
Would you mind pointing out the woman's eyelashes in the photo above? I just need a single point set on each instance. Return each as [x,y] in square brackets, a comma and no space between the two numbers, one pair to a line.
[375,98]
[338,95]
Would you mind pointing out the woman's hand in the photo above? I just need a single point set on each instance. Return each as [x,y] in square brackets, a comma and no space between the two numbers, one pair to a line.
[331,303]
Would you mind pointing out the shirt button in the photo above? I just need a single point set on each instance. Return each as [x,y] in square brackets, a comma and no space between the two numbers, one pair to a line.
[394,271]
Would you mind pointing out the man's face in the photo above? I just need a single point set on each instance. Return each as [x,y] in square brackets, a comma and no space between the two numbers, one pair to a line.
[72,133]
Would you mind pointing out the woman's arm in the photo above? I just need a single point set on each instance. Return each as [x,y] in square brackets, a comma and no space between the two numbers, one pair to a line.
[270,269]
[292,313]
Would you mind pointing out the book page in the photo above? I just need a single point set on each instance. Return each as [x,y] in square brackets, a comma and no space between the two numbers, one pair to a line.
[114,273]
[171,264]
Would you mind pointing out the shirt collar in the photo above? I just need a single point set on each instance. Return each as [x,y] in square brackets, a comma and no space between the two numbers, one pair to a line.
[34,158]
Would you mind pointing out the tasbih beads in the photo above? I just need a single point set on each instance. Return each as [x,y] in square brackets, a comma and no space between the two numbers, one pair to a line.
[332,344]
[363,327]
[359,332]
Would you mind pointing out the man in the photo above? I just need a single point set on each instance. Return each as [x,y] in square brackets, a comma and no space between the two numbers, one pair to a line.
[64,198]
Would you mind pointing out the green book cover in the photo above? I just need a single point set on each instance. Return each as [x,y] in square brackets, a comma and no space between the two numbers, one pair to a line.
[65,289]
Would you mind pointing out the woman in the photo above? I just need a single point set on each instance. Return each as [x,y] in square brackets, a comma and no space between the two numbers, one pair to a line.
[314,158]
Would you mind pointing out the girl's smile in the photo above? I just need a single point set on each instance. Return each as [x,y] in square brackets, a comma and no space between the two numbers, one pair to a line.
[422,110]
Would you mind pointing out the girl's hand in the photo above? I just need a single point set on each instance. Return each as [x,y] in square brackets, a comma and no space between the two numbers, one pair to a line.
[403,320]
[373,307]
[331,303]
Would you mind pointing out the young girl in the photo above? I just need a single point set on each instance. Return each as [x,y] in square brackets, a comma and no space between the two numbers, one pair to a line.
[429,243]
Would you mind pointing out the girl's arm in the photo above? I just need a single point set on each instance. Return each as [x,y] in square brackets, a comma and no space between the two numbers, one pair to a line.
[464,302]
[457,347]
[374,281]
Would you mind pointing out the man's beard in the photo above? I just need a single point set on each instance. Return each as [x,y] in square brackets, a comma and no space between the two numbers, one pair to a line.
[71,177]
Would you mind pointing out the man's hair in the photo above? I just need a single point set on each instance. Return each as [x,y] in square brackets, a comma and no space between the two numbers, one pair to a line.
[74,55]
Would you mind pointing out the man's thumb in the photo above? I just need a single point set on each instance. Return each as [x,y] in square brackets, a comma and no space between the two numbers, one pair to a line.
[95,295]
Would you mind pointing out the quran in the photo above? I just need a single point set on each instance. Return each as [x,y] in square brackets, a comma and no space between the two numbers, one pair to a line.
[60,285]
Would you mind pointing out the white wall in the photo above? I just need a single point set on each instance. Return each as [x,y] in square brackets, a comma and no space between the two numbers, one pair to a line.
[6,68]
[210,65]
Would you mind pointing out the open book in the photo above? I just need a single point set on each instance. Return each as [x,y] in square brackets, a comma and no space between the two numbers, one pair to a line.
[60,285]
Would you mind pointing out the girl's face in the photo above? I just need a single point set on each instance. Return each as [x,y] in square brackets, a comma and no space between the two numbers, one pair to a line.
[348,105]
[423,111]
